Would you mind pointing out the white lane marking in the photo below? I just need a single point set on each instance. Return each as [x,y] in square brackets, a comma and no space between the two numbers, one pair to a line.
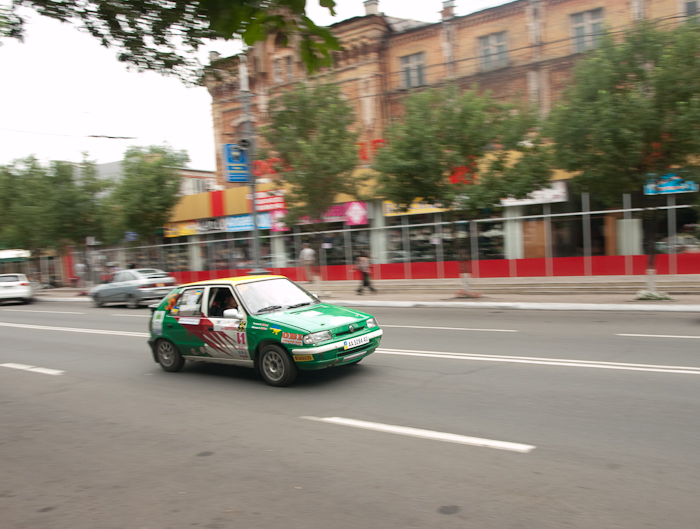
[42,370]
[132,315]
[42,311]
[447,328]
[426,434]
[687,370]
[73,329]
[661,336]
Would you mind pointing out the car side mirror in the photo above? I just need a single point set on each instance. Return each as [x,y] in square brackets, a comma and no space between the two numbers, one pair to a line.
[233,314]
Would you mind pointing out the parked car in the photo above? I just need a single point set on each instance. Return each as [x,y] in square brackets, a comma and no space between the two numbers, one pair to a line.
[133,287]
[15,287]
[268,323]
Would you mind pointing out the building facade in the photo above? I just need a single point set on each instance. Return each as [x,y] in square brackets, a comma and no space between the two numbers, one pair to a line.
[522,50]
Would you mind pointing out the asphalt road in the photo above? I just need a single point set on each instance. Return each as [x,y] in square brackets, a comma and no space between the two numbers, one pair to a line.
[565,421]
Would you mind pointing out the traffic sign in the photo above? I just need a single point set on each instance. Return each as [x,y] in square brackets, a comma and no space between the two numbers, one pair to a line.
[235,163]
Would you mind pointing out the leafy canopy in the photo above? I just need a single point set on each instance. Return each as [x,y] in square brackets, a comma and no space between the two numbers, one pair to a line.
[149,190]
[444,130]
[632,110]
[311,132]
[163,35]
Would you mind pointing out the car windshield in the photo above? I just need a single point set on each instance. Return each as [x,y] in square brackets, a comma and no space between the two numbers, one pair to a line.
[8,279]
[273,294]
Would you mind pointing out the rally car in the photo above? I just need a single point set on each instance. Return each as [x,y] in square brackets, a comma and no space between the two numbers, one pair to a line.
[268,323]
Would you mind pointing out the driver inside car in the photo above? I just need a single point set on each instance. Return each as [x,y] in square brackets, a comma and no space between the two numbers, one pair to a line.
[224,300]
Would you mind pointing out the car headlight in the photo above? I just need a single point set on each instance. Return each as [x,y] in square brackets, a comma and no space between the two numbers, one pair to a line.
[371,323]
[317,337]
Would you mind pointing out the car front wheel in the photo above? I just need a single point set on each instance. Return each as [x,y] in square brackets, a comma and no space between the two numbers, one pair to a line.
[132,302]
[98,301]
[276,367]
[168,356]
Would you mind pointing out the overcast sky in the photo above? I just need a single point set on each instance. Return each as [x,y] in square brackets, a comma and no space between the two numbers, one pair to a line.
[60,86]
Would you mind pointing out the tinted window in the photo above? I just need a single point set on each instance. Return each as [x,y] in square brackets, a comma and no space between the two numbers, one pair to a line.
[8,279]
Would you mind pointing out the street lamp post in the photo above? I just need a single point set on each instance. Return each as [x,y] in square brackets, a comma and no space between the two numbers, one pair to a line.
[248,128]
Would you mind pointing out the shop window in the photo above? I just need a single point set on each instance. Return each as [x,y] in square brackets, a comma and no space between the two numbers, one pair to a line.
[423,241]
[493,51]
[587,28]
[490,240]
[412,70]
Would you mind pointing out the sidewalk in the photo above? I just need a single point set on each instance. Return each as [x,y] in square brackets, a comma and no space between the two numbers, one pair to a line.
[542,293]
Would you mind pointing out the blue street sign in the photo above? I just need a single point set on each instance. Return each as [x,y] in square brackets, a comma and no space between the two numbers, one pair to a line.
[235,163]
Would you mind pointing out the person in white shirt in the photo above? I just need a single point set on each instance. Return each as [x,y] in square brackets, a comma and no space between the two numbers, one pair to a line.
[307,258]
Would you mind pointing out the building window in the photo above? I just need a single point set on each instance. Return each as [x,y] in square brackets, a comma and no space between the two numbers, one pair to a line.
[587,28]
[691,9]
[412,70]
[278,70]
[493,51]
[290,67]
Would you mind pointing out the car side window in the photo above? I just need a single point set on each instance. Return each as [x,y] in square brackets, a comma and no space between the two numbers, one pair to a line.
[220,299]
[128,276]
[190,302]
[118,277]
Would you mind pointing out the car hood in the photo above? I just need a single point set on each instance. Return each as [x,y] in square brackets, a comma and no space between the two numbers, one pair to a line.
[316,317]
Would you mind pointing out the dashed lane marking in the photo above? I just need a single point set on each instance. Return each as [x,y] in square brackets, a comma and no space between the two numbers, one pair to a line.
[73,329]
[563,362]
[33,369]
[661,336]
[42,311]
[426,434]
[447,328]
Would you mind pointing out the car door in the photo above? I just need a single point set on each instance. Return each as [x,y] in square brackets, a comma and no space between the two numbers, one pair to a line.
[110,290]
[182,325]
[226,338]
[128,286]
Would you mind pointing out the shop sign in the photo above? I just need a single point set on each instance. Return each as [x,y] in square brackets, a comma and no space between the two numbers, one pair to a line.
[554,193]
[230,224]
[392,210]
[352,213]
[669,184]
[238,223]
[269,200]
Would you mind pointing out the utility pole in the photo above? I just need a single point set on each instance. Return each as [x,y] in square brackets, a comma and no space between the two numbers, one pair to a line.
[250,138]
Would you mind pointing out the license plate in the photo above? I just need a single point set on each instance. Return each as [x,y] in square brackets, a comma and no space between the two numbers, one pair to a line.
[355,342]
[161,284]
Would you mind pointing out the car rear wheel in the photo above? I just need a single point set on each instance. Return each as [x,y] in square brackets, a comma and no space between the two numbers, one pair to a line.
[132,302]
[168,356]
[276,367]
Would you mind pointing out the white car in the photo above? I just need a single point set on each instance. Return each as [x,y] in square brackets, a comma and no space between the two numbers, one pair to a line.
[15,287]
[137,286]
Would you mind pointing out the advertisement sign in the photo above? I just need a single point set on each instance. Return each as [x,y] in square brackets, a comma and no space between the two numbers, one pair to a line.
[352,213]
[669,184]
[549,195]
[269,200]
[232,224]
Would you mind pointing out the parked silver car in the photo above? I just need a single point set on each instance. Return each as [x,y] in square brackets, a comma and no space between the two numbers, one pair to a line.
[133,287]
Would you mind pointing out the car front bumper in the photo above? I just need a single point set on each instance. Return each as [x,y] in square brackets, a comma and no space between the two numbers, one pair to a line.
[332,354]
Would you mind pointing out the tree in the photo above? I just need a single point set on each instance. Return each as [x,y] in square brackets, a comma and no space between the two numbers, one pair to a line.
[148,191]
[463,151]
[163,36]
[632,111]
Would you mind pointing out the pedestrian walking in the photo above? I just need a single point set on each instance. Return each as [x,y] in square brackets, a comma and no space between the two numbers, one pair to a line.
[307,258]
[363,265]
[80,269]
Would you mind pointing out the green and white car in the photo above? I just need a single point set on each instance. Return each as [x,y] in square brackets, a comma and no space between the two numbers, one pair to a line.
[277,328]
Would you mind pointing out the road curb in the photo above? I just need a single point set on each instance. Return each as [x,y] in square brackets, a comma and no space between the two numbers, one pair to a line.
[610,307]
[519,305]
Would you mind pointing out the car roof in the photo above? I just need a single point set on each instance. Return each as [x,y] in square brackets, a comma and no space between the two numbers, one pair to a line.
[233,280]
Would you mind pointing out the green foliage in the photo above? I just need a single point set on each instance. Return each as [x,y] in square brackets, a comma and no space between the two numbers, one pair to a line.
[163,36]
[49,207]
[443,129]
[633,109]
[148,191]
[310,130]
